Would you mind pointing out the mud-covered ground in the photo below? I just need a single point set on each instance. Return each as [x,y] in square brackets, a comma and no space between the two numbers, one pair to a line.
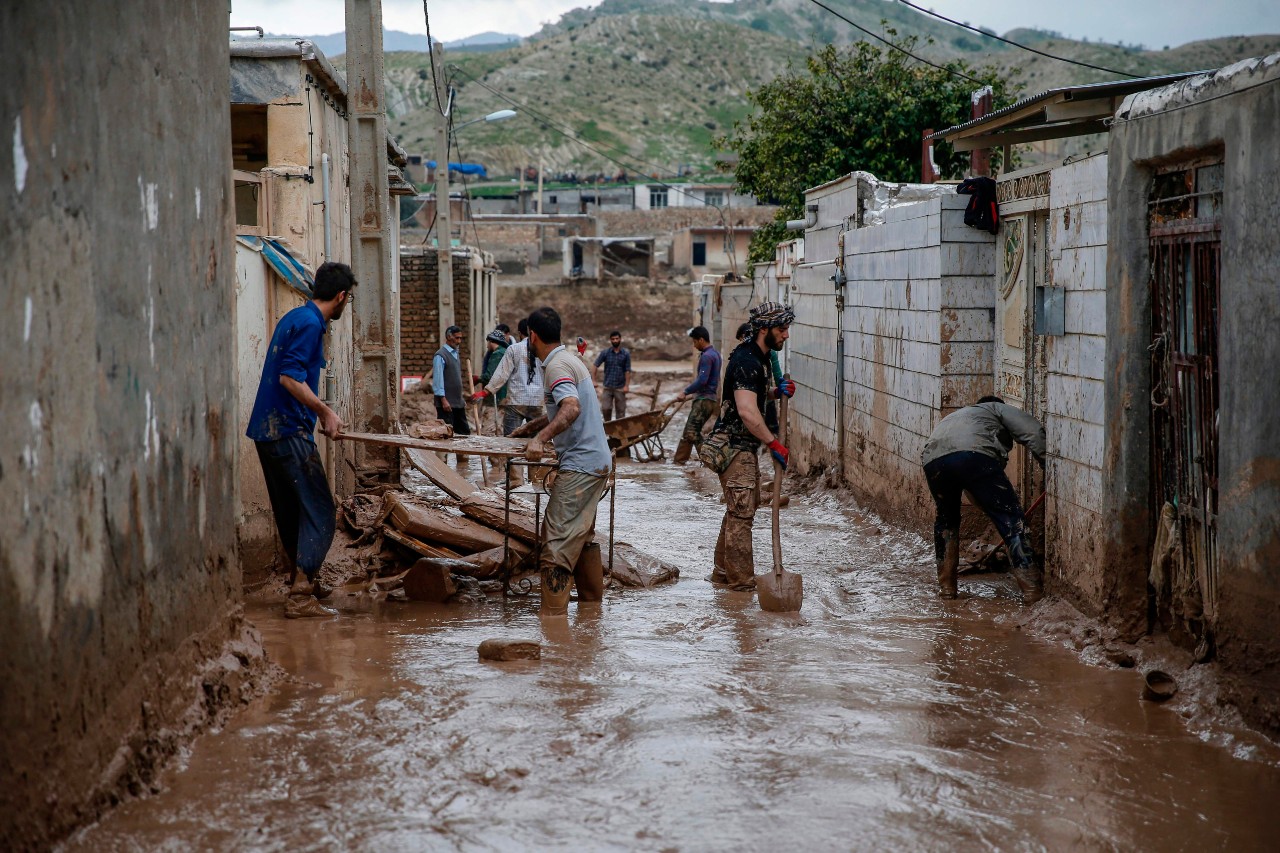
[684,718]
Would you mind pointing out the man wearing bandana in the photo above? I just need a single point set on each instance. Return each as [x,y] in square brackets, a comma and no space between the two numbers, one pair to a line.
[748,387]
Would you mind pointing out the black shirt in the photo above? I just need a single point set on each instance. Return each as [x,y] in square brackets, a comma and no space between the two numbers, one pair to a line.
[748,371]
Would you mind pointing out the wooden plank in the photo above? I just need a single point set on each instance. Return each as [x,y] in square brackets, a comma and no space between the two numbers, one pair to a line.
[486,506]
[437,526]
[468,445]
[438,472]
[417,546]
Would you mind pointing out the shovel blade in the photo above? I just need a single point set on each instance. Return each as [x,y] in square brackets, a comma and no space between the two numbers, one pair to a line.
[780,593]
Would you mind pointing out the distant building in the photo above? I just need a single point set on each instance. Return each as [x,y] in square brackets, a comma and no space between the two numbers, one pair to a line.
[711,249]
[656,196]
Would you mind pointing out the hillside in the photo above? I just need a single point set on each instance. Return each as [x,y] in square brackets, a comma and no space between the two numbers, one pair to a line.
[658,79]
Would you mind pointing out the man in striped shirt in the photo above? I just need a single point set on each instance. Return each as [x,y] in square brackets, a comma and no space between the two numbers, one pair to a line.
[577,430]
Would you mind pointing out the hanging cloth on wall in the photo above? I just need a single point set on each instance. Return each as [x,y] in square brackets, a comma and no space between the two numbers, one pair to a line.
[982,212]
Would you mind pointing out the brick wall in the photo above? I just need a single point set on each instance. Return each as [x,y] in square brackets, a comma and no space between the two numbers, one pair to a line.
[420,306]
[670,219]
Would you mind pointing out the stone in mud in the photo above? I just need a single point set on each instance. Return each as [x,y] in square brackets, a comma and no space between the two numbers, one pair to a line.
[429,580]
[510,648]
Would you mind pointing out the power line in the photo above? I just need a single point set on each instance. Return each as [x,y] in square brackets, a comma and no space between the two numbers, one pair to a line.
[894,46]
[431,55]
[982,32]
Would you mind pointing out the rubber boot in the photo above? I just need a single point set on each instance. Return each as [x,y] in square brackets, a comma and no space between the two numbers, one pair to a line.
[683,451]
[1025,571]
[588,574]
[556,584]
[949,564]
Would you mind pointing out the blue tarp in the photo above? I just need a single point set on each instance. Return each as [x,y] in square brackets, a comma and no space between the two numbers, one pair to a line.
[463,168]
[282,262]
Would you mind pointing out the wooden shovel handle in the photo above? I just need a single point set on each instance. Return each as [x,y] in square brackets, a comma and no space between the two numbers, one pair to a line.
[778,472]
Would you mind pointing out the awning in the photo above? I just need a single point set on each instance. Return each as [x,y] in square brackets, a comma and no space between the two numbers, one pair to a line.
[1055,114]
[282,262]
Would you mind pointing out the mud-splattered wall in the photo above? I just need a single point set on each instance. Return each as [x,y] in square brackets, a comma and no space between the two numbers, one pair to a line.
[117,541]
[917,330]
[1230,118]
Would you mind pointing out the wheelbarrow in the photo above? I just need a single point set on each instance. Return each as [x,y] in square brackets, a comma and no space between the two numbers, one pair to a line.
[643,432]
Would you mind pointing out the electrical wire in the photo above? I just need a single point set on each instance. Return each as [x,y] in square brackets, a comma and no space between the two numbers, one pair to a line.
[431,54]
[1028,48]
[897,47]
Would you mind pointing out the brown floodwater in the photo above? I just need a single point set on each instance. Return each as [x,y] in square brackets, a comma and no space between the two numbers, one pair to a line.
[684,718]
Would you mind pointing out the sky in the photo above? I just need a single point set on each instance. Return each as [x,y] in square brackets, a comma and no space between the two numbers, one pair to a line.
[1154,23]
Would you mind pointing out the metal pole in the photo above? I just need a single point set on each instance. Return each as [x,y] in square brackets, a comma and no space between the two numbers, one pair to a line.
[376,319]
[444,222]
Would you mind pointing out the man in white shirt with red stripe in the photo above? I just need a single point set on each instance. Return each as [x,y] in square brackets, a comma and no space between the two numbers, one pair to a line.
[577,430]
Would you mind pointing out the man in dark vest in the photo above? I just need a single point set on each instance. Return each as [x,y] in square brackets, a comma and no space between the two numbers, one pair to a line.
[446,382]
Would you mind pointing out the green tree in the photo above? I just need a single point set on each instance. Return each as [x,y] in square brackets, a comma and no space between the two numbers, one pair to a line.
[858,108]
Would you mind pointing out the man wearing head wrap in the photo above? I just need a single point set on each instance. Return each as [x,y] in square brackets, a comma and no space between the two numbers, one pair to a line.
[748,386]
[520,380]
[496,346]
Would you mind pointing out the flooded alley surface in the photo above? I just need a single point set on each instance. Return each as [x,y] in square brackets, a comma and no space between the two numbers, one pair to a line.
[684,718]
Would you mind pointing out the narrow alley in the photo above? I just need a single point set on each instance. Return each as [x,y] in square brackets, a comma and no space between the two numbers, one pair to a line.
[684,718]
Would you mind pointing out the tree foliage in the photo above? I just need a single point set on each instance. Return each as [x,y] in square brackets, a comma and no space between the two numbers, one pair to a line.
[860,108]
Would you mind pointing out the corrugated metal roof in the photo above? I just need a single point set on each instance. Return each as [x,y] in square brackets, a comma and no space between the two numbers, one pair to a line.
[1084,92]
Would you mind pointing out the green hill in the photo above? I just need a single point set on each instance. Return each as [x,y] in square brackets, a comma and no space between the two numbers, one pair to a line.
[651,82]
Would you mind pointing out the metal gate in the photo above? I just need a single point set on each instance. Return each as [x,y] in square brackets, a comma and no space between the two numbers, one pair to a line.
[1185,249]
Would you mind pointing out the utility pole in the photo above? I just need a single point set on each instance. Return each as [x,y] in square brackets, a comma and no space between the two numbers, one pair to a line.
[376,318]
[444,224]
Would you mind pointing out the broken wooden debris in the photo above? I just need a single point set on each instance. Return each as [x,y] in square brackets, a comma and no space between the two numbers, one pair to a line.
[419,547]
[440,526]
[470,445]
[488,507]
[440,474]
[510,648]
[488,564]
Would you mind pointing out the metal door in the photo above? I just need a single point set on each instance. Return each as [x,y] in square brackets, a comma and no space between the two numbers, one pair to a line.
[1185,249]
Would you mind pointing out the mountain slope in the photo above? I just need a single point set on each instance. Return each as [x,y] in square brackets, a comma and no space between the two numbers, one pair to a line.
[658,79]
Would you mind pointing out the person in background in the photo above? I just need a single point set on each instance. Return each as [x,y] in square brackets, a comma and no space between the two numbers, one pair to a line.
[281,424]
[617,377]
[705,390]
[506,333]
[746,389]
[446,382]
[582,450]
[523,386]
[495,349]
[967,452]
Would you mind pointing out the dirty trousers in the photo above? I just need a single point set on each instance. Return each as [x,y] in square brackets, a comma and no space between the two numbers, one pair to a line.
[514,417]
[300,500]
[613,403]
[734,561]
[567,525]
[701,412]
[983,477]
[456,418]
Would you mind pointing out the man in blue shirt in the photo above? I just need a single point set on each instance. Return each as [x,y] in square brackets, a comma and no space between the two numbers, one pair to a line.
[617,377]
[281,425]
[446,382]
[705,391]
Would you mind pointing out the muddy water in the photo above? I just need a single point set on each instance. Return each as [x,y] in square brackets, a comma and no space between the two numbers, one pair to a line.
[686,719]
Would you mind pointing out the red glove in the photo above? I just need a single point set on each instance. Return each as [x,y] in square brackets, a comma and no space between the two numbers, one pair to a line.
[582,346]
[475,379]
[786,388]
[479,395]
[779,453]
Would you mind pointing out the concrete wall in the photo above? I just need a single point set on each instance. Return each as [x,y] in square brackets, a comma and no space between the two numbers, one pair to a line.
[917,325]
[117,524]
[1234,114]
[1074,543]
[717,259]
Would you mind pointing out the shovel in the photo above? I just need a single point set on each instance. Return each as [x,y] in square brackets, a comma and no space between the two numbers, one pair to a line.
[779,591]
